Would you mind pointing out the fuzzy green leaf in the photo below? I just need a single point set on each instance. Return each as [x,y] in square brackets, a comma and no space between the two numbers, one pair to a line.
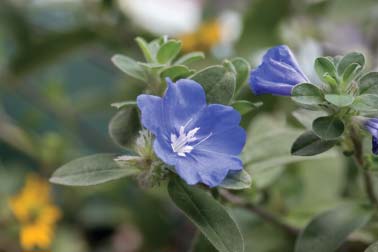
[189,58]
[309,144]
[242,68]
[349,59]
[130,67]
[368,84]
[208,215]
[237,181]
[168,51]
[339,100]
[328,127]
[307,94]
[243,107]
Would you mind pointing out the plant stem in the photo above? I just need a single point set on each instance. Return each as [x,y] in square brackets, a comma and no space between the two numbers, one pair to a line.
[262,213]
[363,166]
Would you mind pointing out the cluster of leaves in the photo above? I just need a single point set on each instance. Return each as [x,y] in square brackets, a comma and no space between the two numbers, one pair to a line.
[346,91]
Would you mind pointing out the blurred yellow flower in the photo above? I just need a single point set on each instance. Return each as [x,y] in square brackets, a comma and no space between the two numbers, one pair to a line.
[206,37]
[34,209]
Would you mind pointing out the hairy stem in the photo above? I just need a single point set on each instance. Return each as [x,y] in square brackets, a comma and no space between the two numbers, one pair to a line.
[363,166]
[262,213]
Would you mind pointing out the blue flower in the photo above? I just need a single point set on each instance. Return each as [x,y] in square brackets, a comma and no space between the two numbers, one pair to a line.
[372,126]
[201,141]
[277,74]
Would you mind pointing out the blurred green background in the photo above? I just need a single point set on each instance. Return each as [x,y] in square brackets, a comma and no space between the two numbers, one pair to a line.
[57,83]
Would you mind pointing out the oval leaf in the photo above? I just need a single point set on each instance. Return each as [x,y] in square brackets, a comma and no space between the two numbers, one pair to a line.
[237,181]
[339,100]
[176,72]
[325,67]
[92,170]
[143,45]
[366,103]
[349,59]
[189,58]
[208,215]
[327,231]
[168,51]
[243,107]
[242,68]
[307,94]
[328,127]
[309,144]
[218,84]
[124,126]
[130,67]
[369,83]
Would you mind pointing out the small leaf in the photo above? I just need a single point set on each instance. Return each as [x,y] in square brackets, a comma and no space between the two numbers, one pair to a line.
[124,126]
[327,231]
[189,58]
[309,144]
[242,68]
[366,103]
[349,59]
[243,107]
[328,127]
[324,66]
[339,100]
[119,105]
[144,47]
[351,72]
[218,84]
[307,94]
[208,215]
[237,181]
[176,72]
[373,247]
[92,170]
[130,67]
[168,51]
[305,118]
[368,84]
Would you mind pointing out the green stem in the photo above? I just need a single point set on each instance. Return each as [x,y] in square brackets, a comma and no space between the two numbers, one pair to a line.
[364,167]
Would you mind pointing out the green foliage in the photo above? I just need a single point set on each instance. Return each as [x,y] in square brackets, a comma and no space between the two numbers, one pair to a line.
[349,59]
[307,94]
[368,83]
[243,107]
[168,51]
[218,83]
[366,103]
[242,68]
[328,127]
[327,231]
[176,72]
[93,170]
[190,58]
[237,181]
[130,67]
[372,248]
[309,144]
[124,126]
[325,69]
[339,100]
[208,215]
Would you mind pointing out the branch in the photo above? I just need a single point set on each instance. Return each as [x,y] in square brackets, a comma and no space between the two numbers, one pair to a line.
[262,213]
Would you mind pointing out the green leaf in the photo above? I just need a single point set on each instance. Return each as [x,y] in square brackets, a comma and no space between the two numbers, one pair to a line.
[373,247]
[168,51]
[351,72]
[325,67]
[92,170]
[176,72]
[368,84]
[243,107]
[327,231]
[218,84]
[309,144]
[208,215]
[189,58]
[130,67]
[144,47]
[366,103]
[242,68]
[203,245]
[349,59]
[237,181]
[328,127]
[307,94]
[119,105]
[124,126]
[305,118]
[339,100]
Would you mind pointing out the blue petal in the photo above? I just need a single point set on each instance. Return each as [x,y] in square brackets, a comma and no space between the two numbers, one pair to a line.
[219,124]
[151,108]
[164,151]
[183,101]
[210,168]
[375,145]
[278,73]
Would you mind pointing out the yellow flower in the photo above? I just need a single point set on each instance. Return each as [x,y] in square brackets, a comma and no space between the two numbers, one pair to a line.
[206,37]
[34,209]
